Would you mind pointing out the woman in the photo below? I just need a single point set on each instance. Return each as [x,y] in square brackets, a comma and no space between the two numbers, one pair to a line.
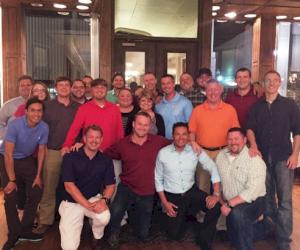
[127,109]
[118,83]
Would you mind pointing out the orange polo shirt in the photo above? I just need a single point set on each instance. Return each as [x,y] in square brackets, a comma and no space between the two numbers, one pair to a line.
[211,125]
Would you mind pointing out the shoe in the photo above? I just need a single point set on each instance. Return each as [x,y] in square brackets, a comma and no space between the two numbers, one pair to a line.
[9,244]
[41,229]
[113,240]
[30,236]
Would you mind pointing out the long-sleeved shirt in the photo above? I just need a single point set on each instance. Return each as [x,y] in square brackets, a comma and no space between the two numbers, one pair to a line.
[241,175]
[107,117]
[175,171]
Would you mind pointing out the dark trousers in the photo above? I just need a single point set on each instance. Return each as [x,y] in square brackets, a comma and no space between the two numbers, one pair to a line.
[190,203]
[141,207]
[242,226]
[25,171]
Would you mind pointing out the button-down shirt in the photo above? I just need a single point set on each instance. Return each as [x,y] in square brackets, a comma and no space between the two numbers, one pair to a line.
[272,125]
[178,109]
[111,96]
[195,96]
[175,171]
[243,176]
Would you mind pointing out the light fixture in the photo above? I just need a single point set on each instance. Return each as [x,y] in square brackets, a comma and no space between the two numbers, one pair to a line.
[297,18]
[85,1]
[82,7]
[59,6]
[231,14]
[216,8]
[214,13]
[83,14]
[250,15]
[63,13]
[222,21]
[240,22]
[281,17]
[37,4]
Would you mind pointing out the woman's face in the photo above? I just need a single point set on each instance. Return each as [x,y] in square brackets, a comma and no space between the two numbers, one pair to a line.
[125,98]
[118,82]
[39,91]
[146,104]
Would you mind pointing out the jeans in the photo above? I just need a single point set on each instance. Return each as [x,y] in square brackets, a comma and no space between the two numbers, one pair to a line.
[241,223]
[141,206]
[279,182]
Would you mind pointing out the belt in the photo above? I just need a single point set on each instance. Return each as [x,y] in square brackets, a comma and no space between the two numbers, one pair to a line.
[180,194]
[213,149]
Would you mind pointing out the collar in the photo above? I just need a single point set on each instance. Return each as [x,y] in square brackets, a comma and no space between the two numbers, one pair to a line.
[220,105]
[250,92]
[25,122]
[243,151]
[129,139]
[174,99]
[82,153]
[278,98]
[106,104]
[187,148]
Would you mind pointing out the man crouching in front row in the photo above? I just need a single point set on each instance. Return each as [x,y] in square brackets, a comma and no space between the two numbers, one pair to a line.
[85,173]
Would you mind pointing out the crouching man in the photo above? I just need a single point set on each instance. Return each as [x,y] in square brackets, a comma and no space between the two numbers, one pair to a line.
[243,183]
[85,174]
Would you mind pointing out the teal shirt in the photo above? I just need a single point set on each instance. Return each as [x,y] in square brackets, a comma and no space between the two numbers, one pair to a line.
[111,96]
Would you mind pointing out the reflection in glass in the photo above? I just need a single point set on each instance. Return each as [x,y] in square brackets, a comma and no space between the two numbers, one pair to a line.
[134,66]
[176,65]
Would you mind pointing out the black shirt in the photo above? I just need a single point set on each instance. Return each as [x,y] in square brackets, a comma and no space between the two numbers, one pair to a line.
[272,125]
[88,175]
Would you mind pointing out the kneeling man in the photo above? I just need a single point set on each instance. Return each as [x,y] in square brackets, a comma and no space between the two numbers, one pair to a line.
[85,174]
[243,183]
[175,183]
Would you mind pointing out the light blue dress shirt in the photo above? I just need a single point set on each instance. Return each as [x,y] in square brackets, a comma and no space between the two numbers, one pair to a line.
[178,109]
[175,171]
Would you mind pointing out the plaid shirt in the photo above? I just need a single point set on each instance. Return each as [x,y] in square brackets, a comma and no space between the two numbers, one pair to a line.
[195,96]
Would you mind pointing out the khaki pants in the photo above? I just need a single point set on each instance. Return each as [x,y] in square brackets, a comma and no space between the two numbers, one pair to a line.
[51,174]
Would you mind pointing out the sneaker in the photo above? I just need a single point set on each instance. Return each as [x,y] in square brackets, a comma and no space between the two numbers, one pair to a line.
[41,229]
[30,236]
[113,240]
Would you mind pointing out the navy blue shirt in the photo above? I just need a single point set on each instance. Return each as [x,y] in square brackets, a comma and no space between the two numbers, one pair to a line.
[89,175]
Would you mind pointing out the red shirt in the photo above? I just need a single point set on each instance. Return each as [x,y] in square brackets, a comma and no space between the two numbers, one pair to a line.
[242,104]
[20,111]
[138,162]
[107,117]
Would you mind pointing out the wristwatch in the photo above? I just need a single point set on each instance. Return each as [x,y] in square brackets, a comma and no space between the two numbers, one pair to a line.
[107,200]
[228,205]
[12,181]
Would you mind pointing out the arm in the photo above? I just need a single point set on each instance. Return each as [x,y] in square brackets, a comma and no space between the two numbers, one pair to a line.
[113,151]
[9,167]
[40,162]
[119,125]
[253,150]
[292,161]
[160,124]
[188,110]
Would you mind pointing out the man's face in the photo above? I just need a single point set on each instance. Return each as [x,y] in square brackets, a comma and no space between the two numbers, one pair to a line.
[186,82]
[236,142]
[214,92]
[87,81]
[34,113]
[25,88]
[243,80]
[141,126]
[180,137]
[63,88]
[93,140]
[99,92]
[167,85]
[118,82]
[202,80]
[272,83]
[78,89]
[149,82]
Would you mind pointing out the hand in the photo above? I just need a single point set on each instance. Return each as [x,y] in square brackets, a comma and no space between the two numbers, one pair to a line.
[11,186]
[170,209]
[292,161]
[196,148]
[225,210]
[76,146]
[253,151]
[99,206]
[64,151]
[37,182]
[258,90]
[211,201]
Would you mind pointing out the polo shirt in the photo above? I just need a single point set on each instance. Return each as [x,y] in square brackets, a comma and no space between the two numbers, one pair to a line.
[211,125]
[175,171]
[25,138]
[178,109]
[138,162]
[242,104]
[107,117]
[272,125]
[111,96]
[89,175]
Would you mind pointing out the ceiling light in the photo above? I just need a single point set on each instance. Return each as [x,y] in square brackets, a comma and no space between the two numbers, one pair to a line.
[59,6]
[222,21]
[216,8]
[83,14]
[281,17]
[240,22]
[250,15]
[63,13]
[297,18]
[37,5]
[85,1]
[214,13]
[82,7]
[231,14]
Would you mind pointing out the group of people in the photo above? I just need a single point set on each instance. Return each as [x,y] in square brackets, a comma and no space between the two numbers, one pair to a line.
[196,146]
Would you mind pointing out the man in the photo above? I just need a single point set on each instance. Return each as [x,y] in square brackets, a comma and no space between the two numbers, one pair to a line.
[19,170]
[243,97]
[100,112]
[85,173]
[271,122]
[78,91]
[209,124]
[87,82]
[150,83]
[243,186]
[187,89]
[138,154]
[118,83]
[174,181]
[173,107]
[204,75]
[59,114]
[10,107]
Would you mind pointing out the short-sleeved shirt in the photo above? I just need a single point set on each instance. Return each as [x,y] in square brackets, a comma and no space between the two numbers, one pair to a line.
[25,138]
[111,96]
[178,109]
[211,125]
[89,175]
[272,125]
